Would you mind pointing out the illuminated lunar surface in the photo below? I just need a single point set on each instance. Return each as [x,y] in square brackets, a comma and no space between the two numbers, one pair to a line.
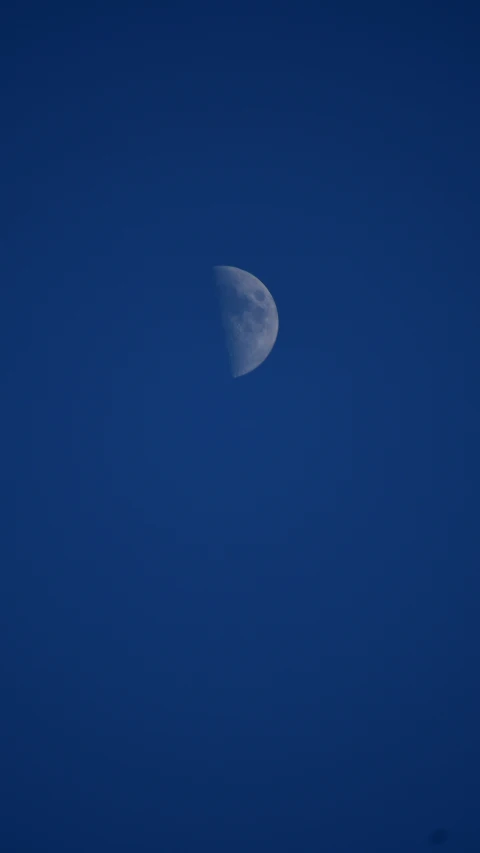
[249,317]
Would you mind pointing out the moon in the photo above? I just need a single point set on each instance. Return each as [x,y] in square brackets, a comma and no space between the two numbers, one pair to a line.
[249,317]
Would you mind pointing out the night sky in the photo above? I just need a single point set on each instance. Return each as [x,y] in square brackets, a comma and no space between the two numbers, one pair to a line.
[239,614]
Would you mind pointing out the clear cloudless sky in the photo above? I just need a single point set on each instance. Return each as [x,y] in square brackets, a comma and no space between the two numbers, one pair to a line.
[239,615]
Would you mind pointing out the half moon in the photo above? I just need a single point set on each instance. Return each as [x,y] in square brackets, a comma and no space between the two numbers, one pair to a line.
[249,317]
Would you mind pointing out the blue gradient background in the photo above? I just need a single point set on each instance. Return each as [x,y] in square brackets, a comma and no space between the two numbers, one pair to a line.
[239,614]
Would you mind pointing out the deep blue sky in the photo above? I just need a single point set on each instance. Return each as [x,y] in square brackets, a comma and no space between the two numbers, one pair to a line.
[239,614]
